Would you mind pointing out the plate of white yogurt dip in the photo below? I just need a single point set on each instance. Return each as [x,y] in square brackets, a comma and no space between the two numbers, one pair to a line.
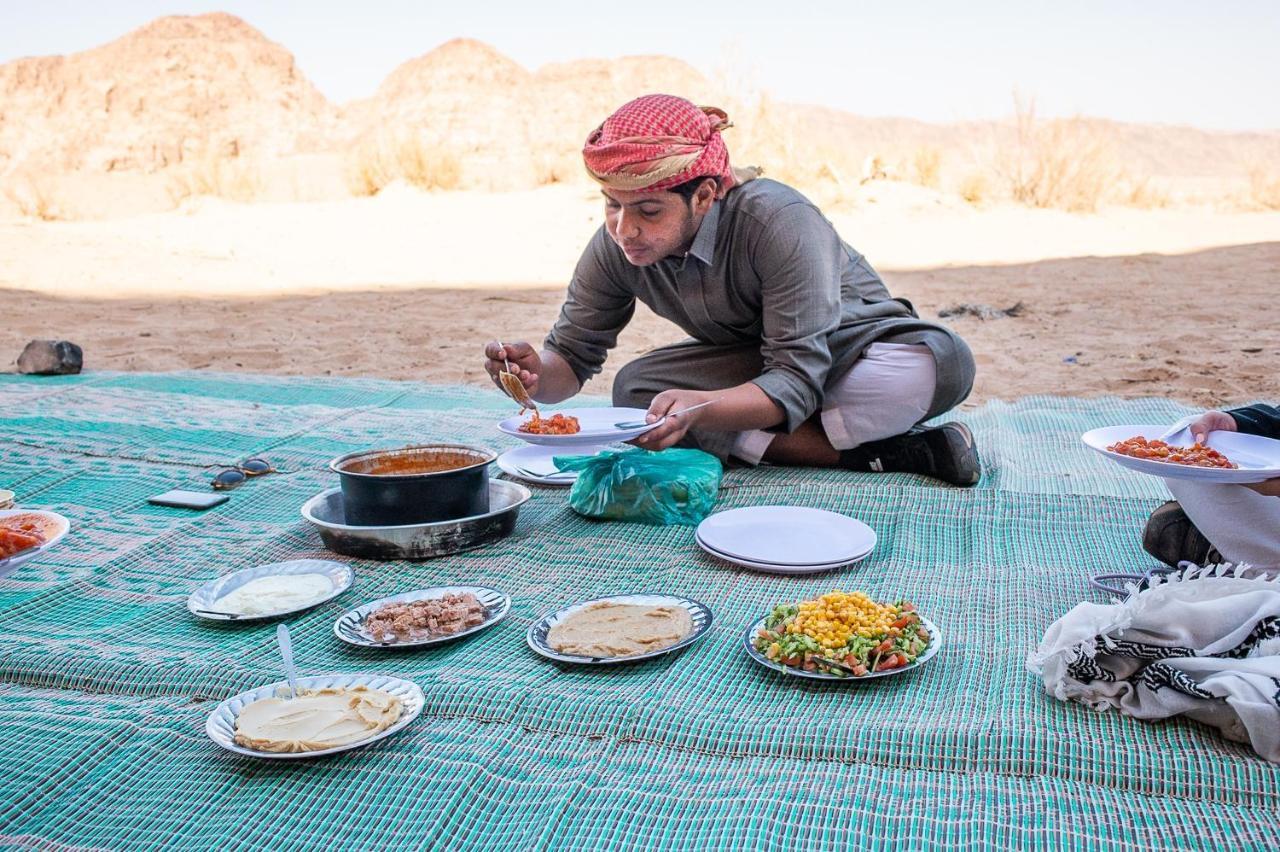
[270,591]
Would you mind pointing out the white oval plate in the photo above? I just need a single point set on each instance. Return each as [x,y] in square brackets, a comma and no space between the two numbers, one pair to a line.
[1258,457]
[206,597]
[221,724]
[62,527]
[597,427]
[776,568]
[350,626]
[701,614]
[935,642]
[537,460]
[787,535]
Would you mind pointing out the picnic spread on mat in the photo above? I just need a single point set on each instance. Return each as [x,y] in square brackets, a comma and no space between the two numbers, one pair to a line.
[522,665]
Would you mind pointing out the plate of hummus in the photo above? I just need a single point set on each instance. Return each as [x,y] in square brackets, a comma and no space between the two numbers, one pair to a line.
[425,617]
[620,629]
[330,714]
[270,591]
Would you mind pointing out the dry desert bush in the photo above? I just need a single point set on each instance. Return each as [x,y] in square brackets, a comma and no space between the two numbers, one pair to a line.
[1264,188]
[975,188]
[1142,193]
[220,176]
[33,196]
[926,167]
[376,161]
[1067,164]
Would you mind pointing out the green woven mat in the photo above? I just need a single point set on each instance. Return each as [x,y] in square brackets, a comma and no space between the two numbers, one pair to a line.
[105,679]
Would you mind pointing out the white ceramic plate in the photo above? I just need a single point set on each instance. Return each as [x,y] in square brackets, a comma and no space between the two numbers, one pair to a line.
[61,527]
[935,642]
[701,615]
[203,601]
[597,427]
[787,535]
[533,463]
[350,626]
[221,725]
[1258,457]
[774,568]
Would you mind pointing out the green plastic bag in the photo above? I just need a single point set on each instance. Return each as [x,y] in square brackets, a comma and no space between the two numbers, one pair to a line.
[668,487]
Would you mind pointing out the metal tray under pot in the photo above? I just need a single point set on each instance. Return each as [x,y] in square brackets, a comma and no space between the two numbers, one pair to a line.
[414,485]
[416,541]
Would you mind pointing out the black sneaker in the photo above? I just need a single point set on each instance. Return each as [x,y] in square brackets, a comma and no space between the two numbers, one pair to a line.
[1172,538]
[944,452]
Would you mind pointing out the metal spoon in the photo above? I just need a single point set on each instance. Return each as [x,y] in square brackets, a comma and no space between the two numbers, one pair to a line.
[1180,426]
[637,424]
[230,616]
[512,386]
[286,651]
[563,474]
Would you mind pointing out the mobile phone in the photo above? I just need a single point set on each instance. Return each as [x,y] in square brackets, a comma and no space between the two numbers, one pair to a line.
[189,499]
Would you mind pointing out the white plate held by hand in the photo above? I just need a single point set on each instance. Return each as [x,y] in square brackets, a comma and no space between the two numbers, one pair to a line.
[1258,457]
[597,426]
[787,535]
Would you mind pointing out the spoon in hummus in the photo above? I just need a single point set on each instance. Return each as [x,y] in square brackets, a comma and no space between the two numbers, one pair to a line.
[286,651]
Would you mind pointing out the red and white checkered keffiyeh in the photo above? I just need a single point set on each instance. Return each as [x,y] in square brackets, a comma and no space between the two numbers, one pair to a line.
[657,142]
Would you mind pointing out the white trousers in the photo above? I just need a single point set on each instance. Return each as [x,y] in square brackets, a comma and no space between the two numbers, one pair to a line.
[1244,525]
[886,392]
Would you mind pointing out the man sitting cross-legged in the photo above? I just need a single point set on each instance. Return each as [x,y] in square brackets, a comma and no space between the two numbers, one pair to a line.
[809,359]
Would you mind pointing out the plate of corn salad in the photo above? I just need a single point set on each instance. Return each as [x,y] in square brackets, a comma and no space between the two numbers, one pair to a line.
[843,636]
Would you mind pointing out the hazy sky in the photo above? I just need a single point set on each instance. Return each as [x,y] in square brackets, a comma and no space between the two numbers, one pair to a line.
[1209,64]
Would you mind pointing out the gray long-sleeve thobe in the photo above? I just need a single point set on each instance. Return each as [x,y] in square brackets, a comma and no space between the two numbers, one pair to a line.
[765,266]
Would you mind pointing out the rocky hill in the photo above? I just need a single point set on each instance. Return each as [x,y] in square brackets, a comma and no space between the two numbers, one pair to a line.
[177,88]
[186,92]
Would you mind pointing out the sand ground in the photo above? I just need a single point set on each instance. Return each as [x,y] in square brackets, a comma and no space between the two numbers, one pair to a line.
[1175,303]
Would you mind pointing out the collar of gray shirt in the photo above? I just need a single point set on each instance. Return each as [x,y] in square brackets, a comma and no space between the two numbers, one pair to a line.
[704,242]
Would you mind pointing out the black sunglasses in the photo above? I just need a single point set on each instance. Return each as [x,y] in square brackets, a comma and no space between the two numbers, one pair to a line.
[234,476]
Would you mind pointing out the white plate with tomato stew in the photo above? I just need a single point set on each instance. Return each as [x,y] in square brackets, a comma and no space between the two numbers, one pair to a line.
[595,426]
[26,533]
[1256,459]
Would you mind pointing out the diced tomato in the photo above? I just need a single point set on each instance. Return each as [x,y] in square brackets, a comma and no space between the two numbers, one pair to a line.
[893,661]
[904,621]
[13,542]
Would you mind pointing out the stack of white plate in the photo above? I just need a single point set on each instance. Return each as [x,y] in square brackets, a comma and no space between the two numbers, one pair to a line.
[786,539]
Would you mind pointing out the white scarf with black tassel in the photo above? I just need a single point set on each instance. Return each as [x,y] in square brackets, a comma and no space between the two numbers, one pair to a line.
[1204,643]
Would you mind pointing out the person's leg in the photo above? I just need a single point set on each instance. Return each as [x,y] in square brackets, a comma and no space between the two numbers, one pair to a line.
[869,418]
[1243,525]
[1171,537]
[885,393]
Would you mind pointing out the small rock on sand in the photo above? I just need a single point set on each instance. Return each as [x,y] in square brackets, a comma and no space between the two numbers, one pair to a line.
[51,358]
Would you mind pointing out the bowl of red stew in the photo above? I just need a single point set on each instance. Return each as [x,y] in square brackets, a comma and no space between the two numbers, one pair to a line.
[415,484]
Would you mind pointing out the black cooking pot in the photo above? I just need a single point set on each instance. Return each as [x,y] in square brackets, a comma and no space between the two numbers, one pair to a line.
[414,485]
